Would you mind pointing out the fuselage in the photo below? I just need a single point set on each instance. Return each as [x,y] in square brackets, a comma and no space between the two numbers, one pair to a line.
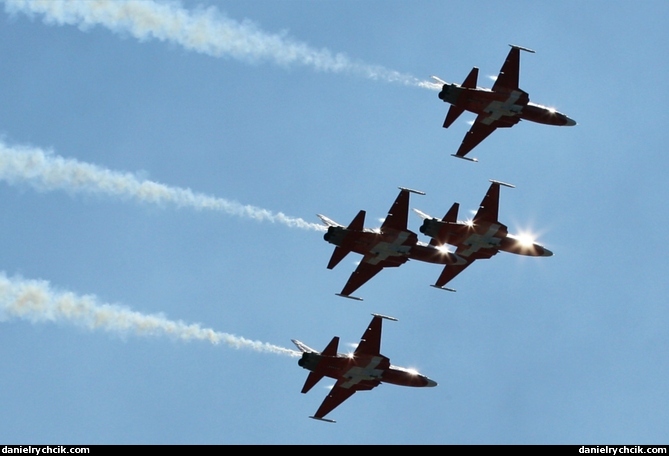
[362,372]
[481,240]
[506,108]
[392,247]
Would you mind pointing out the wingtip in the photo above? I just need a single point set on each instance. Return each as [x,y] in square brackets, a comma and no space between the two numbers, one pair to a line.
[411,190]
[475,160]
[444,288]
[387,317]
[355,298]
[523,48]
[327,420]
[502,183]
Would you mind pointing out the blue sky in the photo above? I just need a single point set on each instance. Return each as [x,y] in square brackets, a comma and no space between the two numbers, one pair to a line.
[305,114]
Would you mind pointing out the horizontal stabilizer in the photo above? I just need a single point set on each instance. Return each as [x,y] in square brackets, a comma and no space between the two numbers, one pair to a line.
[338,255]
[303,347]
[422,214]
[452,115]
[328,221]
[312,379]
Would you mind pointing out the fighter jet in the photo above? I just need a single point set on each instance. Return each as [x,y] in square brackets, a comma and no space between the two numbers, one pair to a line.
[389,246]
[500,107]
[362,370]
[477,239]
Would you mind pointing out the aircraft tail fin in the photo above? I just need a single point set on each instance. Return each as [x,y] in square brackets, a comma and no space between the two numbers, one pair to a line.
[452,214]
[450,217]
[455,111]
[471,79]
[358,223]
[315,376]
[331,349]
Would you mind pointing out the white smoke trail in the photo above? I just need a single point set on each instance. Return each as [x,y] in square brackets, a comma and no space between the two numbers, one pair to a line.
[45,171]
[34,300]
[202,30]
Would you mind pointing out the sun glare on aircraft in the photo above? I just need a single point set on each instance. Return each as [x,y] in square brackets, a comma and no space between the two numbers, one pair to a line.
[408,370]
[526,238]
[443,248]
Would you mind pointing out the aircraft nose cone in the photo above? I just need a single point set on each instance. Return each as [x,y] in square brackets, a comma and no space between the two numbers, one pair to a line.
[570,122]
[430,382]
[547,252]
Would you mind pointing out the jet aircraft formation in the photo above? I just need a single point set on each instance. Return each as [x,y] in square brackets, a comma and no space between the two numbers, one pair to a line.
[393,244]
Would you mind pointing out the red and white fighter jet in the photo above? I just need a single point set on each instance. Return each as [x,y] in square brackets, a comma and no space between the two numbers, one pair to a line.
[478,239]
[500,107]
[390,246]
[362,370]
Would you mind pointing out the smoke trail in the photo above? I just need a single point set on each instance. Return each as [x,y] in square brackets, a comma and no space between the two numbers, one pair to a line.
[203,30]
[45,171]
[34,300]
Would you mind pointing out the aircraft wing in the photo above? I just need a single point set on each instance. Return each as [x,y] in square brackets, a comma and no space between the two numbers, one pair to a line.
[370,342]
[360,276]
[468,252]
[489,209]
[449,273]
[337,395]
[477,133]
[398,215]
[510,72]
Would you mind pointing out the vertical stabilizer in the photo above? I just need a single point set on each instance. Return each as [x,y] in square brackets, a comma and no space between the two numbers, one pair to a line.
[471,79]
[452,214]
[358,223]
[331,349]
[316,375]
